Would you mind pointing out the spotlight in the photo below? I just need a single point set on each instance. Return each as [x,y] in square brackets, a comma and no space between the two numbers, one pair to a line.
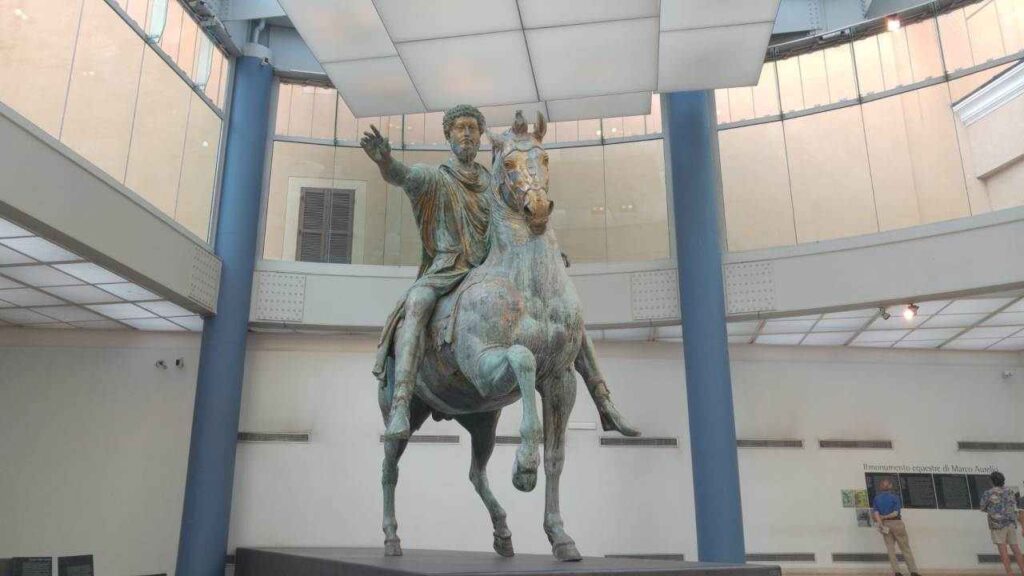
[892,23]
[910,312]
[884,313]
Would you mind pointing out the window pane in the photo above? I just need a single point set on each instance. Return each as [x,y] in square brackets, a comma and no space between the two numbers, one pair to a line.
[138,10]
[814,79]
[433,130]
[956,44]
[223,97]
[741,103]
[104,85]
[766,93]
[564,131]
[37,38]
[612,127]
[199,168]
[869,66]
[842,85]
[414,129]
[300,115]
[212,89]
[325,102]
[187,47]
[633,126]
[158,134]
[896,70]
[577,188]
[171,37]
[1011,22]
[284,106]
[722,106]
[590,130]
[790,87]
[984,30]
[923,39]
[637,212]
[653,120]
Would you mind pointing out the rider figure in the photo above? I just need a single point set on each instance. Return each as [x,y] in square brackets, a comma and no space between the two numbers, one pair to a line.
[452,215]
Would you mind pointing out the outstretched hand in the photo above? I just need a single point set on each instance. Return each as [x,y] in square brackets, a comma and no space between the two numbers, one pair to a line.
[376,146]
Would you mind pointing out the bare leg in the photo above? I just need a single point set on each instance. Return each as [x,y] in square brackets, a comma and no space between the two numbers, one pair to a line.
[481,428]
[586,365]
[1017,555]
[419,304]
[1005,557]
[393,450]
[558,402]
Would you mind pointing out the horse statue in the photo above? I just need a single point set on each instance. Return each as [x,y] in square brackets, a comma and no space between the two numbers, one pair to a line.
[514,327]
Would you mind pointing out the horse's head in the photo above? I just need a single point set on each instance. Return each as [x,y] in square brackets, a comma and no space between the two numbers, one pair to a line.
[521,171]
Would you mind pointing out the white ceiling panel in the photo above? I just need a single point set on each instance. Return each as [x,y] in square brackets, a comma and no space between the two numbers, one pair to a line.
[923,308]
[193,323]
[40,249]
[739,328]
[39,276]
[338,30]
[827,339]
[991,332]
[787,326]
[83,294]
[121,311]
[596,59]
[166,309]
[504,115]
[1017,306]
[128,291]
[100,325]
[153,324]
[546,13]
[880,336]
[905,343]
[408,20]
[941,334]
[375,87]
[739,339]
[68,313]
[712,57]
[976,305]
[8,256]
[685,14]
[635,104]
[23,316]
[896,322]
[27,297]
[953,320]
[8,230]
[871,344]
[971,343]
[780,339]
[490,69]
[89,272]
[862,313]
[1006,319]
[8,283]
[839,324]
[1009,344]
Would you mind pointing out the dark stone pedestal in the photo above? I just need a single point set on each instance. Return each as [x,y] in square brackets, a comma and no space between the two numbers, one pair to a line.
[372,562]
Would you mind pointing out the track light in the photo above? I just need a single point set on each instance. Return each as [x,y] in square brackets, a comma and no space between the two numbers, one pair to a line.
[884,313]
[910,312]
[892,23]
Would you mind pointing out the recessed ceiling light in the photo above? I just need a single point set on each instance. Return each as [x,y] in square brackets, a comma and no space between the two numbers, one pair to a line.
[892,23]
[910,312]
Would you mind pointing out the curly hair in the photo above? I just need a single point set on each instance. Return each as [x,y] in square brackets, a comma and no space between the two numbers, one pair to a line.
[460,111]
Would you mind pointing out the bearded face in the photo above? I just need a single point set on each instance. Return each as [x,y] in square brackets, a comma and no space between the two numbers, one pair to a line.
[464,138]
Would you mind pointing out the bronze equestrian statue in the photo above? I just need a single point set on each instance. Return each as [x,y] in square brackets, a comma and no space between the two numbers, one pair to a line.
[492,317]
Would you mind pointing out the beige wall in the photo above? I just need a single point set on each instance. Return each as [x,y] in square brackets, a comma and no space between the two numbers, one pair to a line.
[892,163]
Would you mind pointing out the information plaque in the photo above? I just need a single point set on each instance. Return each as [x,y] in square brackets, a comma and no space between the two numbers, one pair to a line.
[918,491]
[978,484]
[75,566]
[874,481]
[952,492]
[37,566]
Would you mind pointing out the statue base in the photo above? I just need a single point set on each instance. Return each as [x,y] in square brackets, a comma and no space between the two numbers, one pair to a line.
[372,562]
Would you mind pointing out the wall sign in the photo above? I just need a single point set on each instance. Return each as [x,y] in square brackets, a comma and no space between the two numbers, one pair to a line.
[75,566]
[35,566]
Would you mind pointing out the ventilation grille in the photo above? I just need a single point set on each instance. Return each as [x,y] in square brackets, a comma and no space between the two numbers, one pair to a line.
[868,557]
[431,439]
[780,557]
[204,279]
[643,442]
[746,443]
[673,557]
[991,446]
[299,437]
[856,444]
[989,559]
[507,440]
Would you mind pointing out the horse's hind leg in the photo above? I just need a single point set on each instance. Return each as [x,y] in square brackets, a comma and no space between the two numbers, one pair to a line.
[494,365]
[393,450]
[481,428]
[558,400]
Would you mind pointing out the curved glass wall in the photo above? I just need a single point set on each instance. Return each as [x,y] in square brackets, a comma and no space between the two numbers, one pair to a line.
[861,137]
[133,86]
[607,181]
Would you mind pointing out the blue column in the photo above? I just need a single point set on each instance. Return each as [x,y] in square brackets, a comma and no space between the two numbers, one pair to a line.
[211,459]
[694,163]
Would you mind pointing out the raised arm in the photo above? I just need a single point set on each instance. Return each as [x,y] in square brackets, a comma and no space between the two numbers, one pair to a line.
[378,149]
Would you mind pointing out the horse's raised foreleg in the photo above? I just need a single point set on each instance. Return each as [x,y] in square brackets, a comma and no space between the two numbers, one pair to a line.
[558,401]
[494,366]
[482,428]
[393,450]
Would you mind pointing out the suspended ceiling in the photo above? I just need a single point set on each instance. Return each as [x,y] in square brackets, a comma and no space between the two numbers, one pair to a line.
[572,59]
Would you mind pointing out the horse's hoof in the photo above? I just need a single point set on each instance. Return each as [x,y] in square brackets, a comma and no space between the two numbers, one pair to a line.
[503,546]
[393,547]
[524,480]
[566,552]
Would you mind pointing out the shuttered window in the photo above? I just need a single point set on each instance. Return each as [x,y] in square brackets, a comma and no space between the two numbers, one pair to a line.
[325,225]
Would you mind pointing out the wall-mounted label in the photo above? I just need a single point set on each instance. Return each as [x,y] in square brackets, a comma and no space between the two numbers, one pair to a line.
[35,566]
[75,565]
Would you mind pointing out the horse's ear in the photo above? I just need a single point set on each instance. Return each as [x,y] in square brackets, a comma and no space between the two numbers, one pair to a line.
[541,127]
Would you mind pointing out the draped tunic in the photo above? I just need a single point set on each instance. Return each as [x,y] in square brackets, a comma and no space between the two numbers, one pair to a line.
[452,215]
